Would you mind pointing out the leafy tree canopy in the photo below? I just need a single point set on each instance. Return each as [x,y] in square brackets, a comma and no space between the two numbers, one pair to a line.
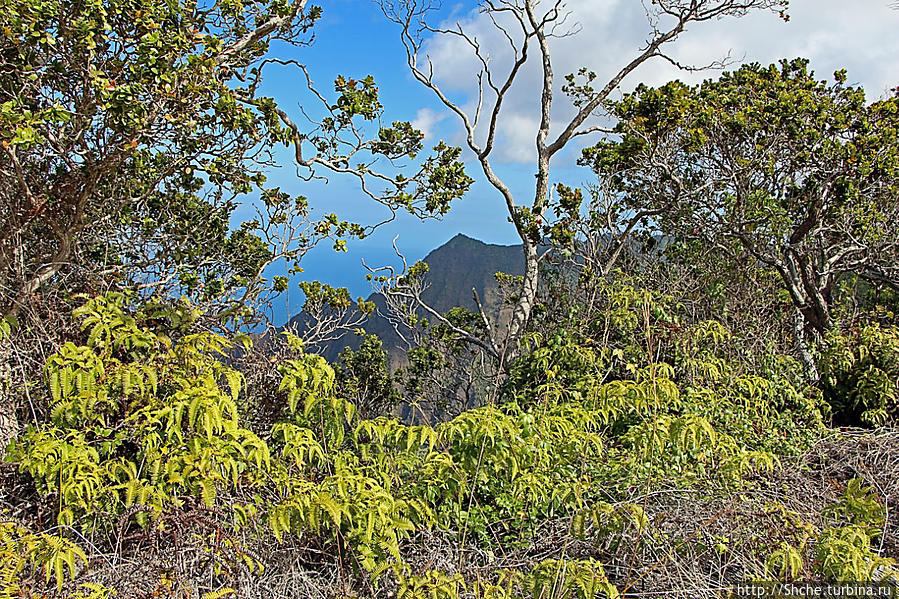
[132,129]
[126,142]
[770,163]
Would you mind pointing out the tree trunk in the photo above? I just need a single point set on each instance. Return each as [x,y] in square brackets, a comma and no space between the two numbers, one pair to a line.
[525,304]
[800,332]
[811,298]
[45,272]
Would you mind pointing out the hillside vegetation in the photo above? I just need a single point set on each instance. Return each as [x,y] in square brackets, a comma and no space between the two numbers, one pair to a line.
[689,381]
[684,472]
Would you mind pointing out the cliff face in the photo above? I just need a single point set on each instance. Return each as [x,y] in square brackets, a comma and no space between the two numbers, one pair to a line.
[455,268]
[464,263]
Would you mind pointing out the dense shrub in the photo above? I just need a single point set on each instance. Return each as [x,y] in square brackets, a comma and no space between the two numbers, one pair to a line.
[148,448]
[860,373]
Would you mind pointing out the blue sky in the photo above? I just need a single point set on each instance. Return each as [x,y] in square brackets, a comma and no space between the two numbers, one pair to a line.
[353,38]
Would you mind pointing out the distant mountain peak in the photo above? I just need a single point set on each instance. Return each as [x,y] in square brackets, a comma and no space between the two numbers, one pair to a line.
[461,240]
[457,266]
[457,239]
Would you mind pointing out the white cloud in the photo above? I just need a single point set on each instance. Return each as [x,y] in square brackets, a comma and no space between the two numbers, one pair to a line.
[859,36]
[516,138]
[426,119]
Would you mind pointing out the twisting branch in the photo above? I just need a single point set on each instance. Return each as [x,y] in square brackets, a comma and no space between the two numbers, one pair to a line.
[261,32]
[409,285]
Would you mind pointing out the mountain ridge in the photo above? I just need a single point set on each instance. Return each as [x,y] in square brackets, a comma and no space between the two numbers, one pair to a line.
[455,268]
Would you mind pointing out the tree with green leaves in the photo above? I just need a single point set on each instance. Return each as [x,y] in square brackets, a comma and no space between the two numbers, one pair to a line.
[363,376]
[768,165]
[131,130]
[125,144]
